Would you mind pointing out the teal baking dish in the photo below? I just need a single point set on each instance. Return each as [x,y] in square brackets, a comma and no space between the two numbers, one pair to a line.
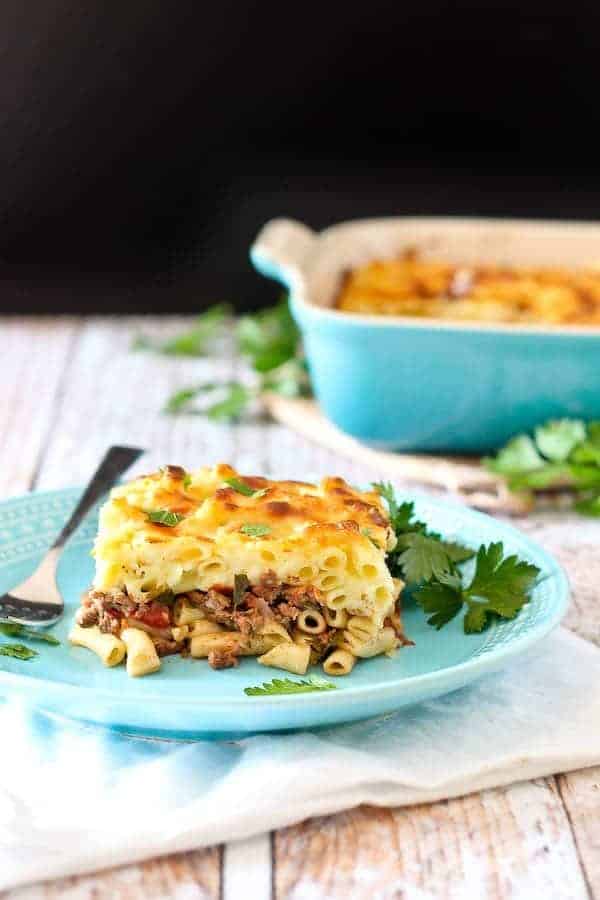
[425,384]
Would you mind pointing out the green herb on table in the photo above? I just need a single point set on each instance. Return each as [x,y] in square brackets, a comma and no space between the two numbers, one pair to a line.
[561,455]
[193,342]
[500,587]
[14,629]
[228,400]
[270,342]
[254,529]
[242,488]
[287,686]
[17,651]
[165,517]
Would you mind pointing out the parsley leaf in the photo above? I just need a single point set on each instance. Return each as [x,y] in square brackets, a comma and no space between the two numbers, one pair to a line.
[287,686]
[15,629]
[518,456]
[254,529]
[242,488]
[563,455]
[192,342]
[422,558]
[240,586]
[556,440]
[442,599]
[500,587]
[187,481]
[17,651]
[164,517]
[236,399]
[420,554]
[291,379]
[180,400]
[270,342]
[590,506]
[232,399]
[269,338]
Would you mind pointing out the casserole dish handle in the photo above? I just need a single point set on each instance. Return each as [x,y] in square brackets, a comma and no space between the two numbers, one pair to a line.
[283,249]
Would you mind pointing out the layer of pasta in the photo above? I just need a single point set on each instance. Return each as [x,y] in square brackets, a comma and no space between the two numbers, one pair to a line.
[218,565]
[411,286]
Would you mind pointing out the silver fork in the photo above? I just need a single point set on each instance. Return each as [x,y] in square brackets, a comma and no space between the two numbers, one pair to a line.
[37,600]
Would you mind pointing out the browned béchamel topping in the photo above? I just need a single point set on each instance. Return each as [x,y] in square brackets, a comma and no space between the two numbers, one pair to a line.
[411,286]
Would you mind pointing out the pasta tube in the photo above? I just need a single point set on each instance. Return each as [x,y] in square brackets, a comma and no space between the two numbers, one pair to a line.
[291,657]
[340,662]
[108,647]
[142,658]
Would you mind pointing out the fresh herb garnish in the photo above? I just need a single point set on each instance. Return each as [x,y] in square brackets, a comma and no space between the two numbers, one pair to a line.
[421,557]
[500,587]
[180,401]
[165,517]
[287,686]
[240,586]
[17,651]
[187,480]
[420,554]
[269,340]
[254,529]
[14,629]
[232,398]
[242,488]
[192,342]
[562,455]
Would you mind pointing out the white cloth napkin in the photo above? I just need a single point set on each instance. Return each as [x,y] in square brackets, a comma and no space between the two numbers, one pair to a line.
[75,799]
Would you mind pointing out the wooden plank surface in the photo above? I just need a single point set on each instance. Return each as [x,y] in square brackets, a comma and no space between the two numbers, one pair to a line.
[70,389]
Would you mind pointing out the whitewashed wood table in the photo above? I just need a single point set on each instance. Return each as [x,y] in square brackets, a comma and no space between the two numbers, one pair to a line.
[70,387]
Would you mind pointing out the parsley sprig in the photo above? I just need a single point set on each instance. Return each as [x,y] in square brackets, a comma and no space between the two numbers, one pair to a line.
[269,340]
[287,686]
[17,651]
[420,554]
[499,587]
[14,629]
[562,455]
[193,342]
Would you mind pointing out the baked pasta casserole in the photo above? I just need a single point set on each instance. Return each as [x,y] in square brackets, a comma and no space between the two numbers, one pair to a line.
[411,286]
[217,565]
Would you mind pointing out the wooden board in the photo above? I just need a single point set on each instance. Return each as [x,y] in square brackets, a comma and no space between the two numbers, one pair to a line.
[70,388]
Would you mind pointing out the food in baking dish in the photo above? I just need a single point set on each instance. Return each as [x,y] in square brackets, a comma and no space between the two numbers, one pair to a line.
[218,565]
[412,286]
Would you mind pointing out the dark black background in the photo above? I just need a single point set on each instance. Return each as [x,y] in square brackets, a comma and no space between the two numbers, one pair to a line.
[142,145]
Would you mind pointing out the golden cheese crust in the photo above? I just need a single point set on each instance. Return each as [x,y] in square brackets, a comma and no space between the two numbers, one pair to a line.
[411,286]
[330,536]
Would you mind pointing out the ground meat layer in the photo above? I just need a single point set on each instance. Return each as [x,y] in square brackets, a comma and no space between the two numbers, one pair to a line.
[269,600]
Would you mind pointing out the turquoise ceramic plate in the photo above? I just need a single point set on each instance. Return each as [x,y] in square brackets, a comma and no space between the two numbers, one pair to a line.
[187,699]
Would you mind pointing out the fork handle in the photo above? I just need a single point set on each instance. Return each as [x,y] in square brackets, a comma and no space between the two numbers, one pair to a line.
[116,461]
